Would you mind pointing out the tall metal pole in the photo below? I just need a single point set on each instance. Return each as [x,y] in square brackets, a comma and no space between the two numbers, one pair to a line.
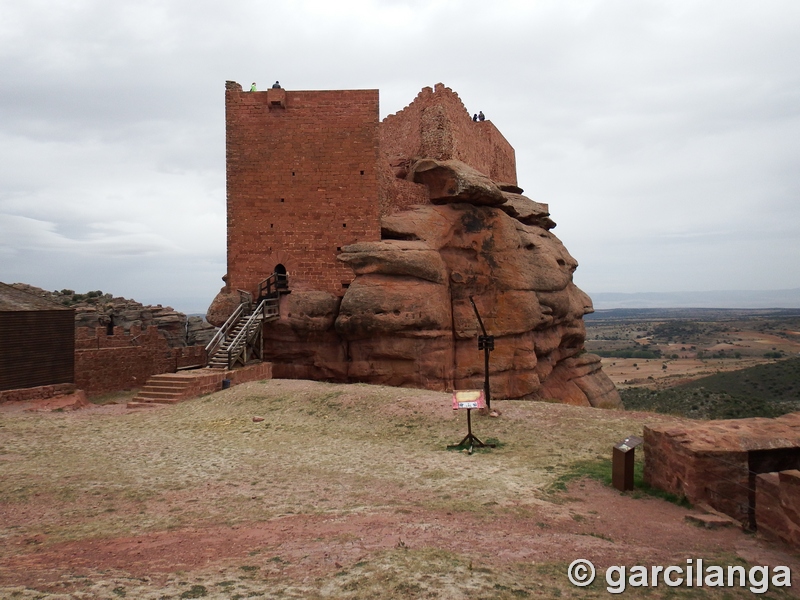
[485,343]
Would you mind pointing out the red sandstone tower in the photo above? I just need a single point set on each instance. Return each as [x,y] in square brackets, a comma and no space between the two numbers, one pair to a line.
[311,171]
[302,177]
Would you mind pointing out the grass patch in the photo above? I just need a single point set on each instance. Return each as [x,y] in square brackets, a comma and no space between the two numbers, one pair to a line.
[768,390]
[196,591]
[600,470]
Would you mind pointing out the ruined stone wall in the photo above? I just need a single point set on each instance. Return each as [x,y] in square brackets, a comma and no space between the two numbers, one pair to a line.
[745,468]
[437,125]
[778,506]
[109,363]
[41,392]
[302,180]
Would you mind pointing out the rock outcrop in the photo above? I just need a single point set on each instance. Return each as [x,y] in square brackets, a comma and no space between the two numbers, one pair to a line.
[388,232]
[407,320]
[96,309]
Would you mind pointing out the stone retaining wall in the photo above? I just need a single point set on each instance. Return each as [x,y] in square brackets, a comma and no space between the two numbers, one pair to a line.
[745,468]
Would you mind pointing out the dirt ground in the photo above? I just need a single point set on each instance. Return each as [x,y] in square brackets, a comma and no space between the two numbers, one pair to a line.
[651,372]
[339,492]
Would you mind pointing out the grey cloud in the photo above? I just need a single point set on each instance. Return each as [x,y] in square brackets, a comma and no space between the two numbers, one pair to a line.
[658,132]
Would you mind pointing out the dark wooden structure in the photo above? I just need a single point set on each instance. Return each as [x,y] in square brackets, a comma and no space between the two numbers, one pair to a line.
[37,341]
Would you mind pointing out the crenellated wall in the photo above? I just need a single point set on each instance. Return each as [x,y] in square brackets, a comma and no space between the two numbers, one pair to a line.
[108,363]
[437,125]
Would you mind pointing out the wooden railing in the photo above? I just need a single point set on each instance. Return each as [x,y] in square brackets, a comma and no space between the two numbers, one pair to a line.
[273,285]
[242,345]
[222,333]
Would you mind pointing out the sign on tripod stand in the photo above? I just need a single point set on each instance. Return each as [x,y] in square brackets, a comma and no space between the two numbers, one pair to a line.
[469,400]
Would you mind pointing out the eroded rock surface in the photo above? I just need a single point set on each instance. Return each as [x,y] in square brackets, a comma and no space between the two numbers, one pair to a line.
[96,309]
[407,319]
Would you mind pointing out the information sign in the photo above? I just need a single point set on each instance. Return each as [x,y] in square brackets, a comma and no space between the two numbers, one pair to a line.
[468,399]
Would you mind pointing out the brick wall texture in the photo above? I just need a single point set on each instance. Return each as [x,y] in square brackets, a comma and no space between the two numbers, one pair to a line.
[311,171]
[302,177]
[437,125]
[108,363]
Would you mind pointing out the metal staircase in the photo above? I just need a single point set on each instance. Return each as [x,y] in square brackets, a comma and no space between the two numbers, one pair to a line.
[239,340]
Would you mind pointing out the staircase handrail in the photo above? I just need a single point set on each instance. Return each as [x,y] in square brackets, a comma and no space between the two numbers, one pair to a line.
[244,334]
[274,284]
[268,307]
[246,298]
[223,331]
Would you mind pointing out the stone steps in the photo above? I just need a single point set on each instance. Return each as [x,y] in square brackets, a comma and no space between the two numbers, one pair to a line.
[171,388]
[166,388]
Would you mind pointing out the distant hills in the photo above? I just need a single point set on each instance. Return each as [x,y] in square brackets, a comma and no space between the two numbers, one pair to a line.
[725,299]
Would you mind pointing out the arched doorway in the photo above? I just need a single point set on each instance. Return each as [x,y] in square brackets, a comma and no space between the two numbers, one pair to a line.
[282,277]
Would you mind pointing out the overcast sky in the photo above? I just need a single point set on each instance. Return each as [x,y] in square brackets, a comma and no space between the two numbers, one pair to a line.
[664,134]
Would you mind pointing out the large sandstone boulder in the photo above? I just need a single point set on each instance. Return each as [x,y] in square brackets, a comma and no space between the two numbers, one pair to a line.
[378,305]
[454,181]
[415,259]
[518,275]
[527,211]
[407,318]
[222,307]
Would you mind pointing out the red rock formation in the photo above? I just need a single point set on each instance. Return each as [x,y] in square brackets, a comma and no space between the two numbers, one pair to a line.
[778,506]
[453,226]
[407,320]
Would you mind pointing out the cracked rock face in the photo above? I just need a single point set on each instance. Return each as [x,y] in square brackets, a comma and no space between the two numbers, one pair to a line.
[407,320]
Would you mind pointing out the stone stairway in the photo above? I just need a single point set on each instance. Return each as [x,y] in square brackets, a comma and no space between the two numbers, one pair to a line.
[170,388]
[220,358]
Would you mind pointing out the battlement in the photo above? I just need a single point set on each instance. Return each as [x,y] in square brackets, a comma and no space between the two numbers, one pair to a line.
[437,125]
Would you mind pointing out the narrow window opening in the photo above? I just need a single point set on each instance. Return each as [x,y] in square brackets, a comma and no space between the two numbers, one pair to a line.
[282,199]
[344,224]
[362,172]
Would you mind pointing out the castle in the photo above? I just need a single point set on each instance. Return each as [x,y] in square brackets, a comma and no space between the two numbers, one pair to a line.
[381,231]
[309,172]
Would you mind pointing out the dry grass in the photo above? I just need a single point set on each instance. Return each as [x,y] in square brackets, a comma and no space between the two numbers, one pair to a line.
[342,440]
[322,450]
